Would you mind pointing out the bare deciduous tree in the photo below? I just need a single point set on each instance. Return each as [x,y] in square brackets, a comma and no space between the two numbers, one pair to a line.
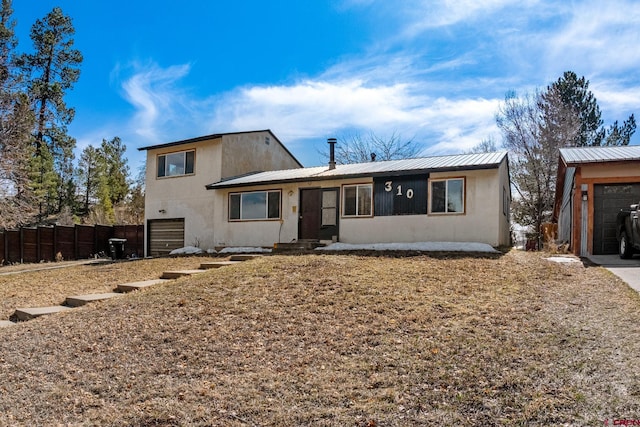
[356,148]
[534,128]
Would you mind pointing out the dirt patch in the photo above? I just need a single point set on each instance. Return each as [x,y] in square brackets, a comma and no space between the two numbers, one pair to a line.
[338,340]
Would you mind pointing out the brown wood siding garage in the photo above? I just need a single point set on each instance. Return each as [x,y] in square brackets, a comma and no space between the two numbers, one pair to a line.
[608,200]
[165,235]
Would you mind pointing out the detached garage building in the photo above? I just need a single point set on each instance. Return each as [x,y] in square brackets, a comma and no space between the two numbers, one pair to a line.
[593,184]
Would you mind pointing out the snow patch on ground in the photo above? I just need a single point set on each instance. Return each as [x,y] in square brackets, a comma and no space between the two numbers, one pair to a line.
[563,259]
[187,250]
[244,249]
[418,246]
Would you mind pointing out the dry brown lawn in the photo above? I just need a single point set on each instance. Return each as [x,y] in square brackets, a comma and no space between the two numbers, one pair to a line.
[331,340]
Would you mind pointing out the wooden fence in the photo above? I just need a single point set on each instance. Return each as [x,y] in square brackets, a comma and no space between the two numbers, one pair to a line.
[72,243]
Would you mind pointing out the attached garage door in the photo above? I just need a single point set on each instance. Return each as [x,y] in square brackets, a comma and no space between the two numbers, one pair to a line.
[165,235]
[608,201]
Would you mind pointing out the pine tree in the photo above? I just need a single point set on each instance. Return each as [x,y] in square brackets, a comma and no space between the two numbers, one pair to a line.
[573,94]
[16,122]
[53,69]
[113,151]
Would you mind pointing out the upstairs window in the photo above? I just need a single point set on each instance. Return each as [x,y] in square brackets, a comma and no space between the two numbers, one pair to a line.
[447,195]
[256,205]
[176,164]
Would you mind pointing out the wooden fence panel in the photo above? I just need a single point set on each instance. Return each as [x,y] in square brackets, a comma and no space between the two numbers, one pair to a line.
[103,234]
[29,245]
[76,242]
[65,242]
[85,241]
[47,246]
[13,243]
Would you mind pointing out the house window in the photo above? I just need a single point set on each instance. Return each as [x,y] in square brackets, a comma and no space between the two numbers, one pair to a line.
[357,200]
[447,195]
[255,205]
[176,164]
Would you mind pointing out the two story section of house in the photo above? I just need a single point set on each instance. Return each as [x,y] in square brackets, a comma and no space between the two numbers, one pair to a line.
[179,211]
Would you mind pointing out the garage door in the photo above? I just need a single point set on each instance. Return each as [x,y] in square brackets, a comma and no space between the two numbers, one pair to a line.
[608,200]
[165,235]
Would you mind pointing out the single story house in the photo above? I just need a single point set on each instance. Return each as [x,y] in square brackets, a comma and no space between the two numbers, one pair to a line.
[593,184]
[179,211]
[456,198]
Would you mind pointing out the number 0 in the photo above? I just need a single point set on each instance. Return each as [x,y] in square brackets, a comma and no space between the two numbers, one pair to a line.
[410,193]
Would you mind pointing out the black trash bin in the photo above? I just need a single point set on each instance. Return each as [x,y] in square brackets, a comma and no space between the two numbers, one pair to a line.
[116,248]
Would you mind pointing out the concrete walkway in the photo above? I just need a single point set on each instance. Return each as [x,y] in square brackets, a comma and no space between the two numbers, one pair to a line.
[626,269]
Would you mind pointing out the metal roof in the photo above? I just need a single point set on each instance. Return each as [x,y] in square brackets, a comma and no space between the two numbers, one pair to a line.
[390,167]
[600,154]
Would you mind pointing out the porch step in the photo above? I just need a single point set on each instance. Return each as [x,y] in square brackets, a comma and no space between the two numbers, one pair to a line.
[179,273]
[80,300]
[6,323]
[217,264]
[134,286]
[23,314]
[243,257]
[297,246]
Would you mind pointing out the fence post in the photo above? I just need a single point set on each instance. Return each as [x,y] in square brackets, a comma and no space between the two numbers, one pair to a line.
[21,245]
[38,239]
[55,242]
[76,251]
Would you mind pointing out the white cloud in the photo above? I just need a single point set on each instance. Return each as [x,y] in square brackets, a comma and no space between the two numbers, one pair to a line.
[599,37]
[318,108]
[156,95]
[311,108]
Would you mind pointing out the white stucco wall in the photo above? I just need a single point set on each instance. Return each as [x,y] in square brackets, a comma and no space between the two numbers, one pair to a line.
[483,220]
[186,196]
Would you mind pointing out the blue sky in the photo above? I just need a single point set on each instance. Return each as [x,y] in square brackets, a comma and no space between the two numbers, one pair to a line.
[432,70]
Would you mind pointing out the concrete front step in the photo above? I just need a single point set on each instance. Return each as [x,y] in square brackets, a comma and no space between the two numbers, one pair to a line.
[6,323]
[23,314]
[217,264]
[134,286]
[80,300]
[297,246]
[244,257]
[179,273]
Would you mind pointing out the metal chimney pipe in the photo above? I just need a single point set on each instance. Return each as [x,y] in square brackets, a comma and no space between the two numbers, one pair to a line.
[332,152]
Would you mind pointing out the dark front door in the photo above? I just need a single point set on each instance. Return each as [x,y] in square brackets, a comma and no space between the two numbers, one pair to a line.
[309,218]
[318,219]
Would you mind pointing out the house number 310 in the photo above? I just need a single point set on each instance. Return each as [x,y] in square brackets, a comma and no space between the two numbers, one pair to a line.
[388,187]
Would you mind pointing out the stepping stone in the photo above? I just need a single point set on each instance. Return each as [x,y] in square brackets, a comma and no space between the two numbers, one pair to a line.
[217,264]
[179,273]
[80,300]
[6,323]
[134,286]
[244,257]
[23,314]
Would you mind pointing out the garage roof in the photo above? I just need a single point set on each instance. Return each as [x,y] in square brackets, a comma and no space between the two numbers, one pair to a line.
[572,156]
[390,167]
